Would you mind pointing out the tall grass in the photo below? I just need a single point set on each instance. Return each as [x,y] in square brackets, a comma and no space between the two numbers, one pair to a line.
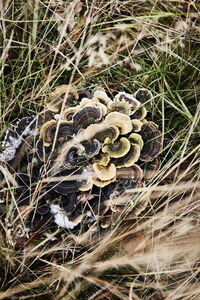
[120,45]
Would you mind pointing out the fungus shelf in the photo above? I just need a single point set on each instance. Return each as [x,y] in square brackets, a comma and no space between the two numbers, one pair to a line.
[75,161]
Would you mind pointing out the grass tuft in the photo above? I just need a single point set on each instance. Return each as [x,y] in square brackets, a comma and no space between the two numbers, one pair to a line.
[120,45]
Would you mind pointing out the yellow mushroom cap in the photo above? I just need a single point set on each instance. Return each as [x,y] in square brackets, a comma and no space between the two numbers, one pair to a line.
[117,148]
[120,120]
[130,158]
[152,124]
[140,113]
[47,132]
[85,101]
[136,138]
[137,125]
[104,159]
[104,173]
[101,183]
[105,223]
[86,186]
[102,106]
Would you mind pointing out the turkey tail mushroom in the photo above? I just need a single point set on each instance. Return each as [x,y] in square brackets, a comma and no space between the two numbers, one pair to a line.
[87,152]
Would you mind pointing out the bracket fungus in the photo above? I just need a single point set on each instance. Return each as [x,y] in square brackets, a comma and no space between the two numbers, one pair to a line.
[86,116]
[122,121]
[76,160]
[116,149]
[70,156]
[144,96]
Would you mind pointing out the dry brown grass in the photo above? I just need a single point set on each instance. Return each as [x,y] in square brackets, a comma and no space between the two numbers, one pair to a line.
[121,45]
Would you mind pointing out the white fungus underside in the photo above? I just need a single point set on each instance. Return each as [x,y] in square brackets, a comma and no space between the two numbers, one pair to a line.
[12,144]
[63,221]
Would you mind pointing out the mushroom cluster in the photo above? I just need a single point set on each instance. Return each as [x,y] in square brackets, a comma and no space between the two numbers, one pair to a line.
[75,161]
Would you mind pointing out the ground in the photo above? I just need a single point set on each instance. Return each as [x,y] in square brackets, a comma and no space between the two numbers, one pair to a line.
[121,46]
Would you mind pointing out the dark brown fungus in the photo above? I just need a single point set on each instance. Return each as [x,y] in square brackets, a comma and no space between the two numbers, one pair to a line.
[65,130]
[152,139]
[71,154]
[86,116]
[69,113]
[85,102]
[65,187]
[140,201]
[144,96]
[43,152]
[84,93]
[30,122]
[45,116]
[48,131]
[69,203]
[105,221]
[85,157]
[121,187]
[23,152]
[42,209]
[150,168]
[91,148]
